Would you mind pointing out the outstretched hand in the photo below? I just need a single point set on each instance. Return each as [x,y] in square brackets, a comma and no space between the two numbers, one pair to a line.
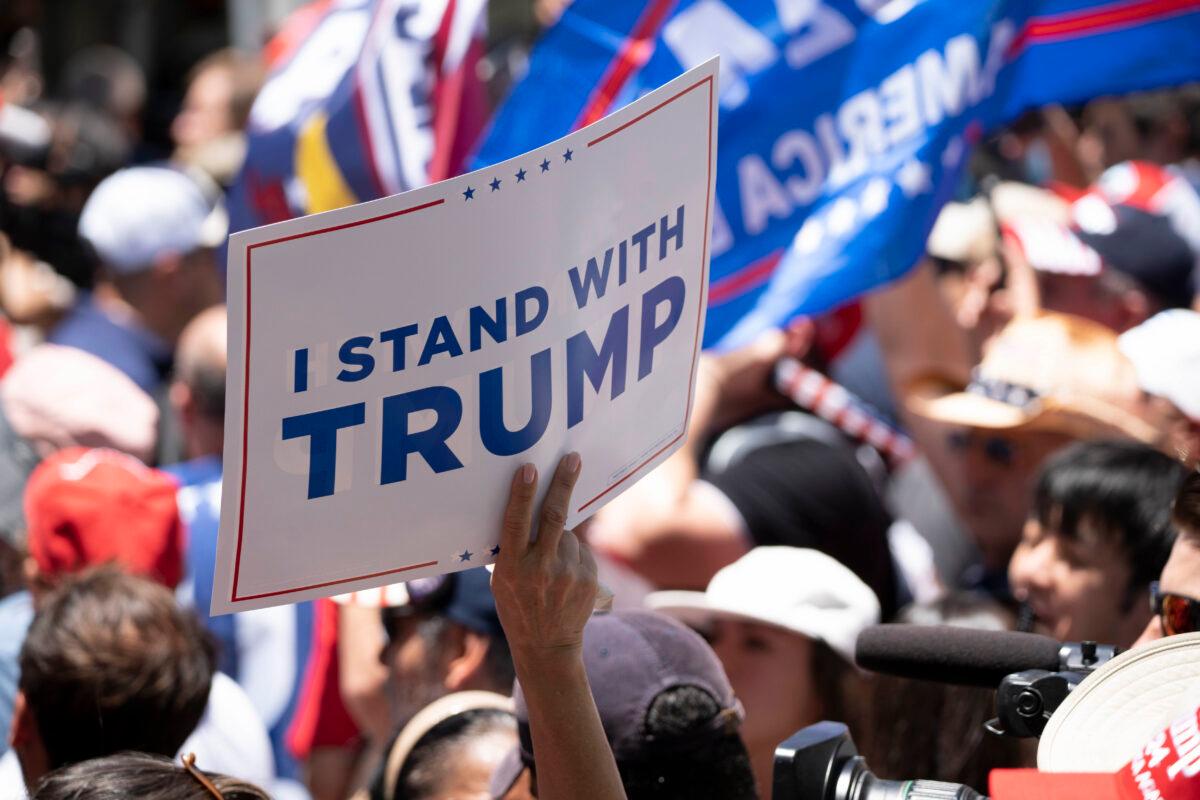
[545,590]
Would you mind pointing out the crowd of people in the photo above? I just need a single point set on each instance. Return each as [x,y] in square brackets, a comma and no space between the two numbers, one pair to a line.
[1038,374]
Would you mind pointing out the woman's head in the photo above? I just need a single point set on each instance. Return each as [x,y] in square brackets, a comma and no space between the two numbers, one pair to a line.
[148,777]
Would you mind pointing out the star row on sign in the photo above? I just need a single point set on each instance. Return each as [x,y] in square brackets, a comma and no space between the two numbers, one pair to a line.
[467,555]
[497,182]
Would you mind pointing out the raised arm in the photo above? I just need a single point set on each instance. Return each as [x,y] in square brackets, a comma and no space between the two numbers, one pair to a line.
[545,592]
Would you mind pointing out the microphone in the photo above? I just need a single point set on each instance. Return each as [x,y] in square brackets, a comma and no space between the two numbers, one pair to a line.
[969,657]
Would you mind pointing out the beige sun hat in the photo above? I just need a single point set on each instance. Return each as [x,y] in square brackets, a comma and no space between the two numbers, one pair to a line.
[1105,721]
[1049,372]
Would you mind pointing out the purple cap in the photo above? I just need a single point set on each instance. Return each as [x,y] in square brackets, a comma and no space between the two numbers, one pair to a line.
[631,656]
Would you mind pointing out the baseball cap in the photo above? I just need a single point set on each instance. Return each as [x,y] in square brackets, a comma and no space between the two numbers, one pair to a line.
[1167,767]
[1165,352]
[1104,721]
[1047,372]
[463,597]
[89,507]
[1142,245]
[631,656]
[139,214]
[1051,247]
[58,397]
[799,590]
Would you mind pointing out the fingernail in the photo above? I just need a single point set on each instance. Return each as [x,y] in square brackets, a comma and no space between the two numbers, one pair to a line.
[528,473]
[573,463]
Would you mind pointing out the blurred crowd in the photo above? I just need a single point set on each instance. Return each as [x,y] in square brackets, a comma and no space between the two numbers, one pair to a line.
[1033,394]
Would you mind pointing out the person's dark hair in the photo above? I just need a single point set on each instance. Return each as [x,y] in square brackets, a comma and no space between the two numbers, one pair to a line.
[1186,511]
[126,775]
[908,729]
[111,663]
[437,752]
[720,768]
[497,666]
[206,381]
[1120,490]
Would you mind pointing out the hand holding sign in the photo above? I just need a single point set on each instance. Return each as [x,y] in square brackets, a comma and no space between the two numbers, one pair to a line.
[545,588]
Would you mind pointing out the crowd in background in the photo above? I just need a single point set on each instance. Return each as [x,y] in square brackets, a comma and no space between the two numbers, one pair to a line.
[1041,366]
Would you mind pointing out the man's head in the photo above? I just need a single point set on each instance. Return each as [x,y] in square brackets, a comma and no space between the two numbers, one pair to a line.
[668,712]
[198,391]
[220,91]
[153,230]
[110,663]
[1044,382]
[128,775]
[1099,533]
[1181,575]
[445,638]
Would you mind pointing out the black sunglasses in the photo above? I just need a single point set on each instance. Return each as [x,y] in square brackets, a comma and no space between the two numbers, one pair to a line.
[1178,614]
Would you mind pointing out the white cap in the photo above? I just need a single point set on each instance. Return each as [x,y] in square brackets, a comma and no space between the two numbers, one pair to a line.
[1104,722]
[1165,353]
[800,590]
[139,214]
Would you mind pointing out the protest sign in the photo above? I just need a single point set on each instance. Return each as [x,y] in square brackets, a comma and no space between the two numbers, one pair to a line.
[392,364]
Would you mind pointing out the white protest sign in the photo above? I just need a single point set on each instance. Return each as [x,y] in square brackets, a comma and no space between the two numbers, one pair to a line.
[391,364]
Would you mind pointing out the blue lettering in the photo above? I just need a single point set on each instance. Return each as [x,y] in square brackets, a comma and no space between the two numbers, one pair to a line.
[672,291]
[496,327]
[582,359]
[441,339]
[321,428]
[397,337]
[666,232]
[593,277]
[535,293]
[349,356]
[300,371]
[496,437]
[640,239]
[399,443]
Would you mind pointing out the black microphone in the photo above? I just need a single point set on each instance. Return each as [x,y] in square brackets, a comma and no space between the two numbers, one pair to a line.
[949,654]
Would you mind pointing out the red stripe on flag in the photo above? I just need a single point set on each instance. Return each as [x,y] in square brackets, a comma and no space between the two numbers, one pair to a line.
[1103,19]
[745,279]
[633,54]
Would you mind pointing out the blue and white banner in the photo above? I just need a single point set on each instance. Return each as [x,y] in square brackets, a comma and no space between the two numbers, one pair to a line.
[844,123]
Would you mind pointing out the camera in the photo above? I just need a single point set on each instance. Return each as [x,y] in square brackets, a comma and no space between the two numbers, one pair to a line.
[820,762]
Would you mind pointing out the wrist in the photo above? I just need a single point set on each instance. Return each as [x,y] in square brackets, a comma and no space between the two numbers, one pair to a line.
[555,660]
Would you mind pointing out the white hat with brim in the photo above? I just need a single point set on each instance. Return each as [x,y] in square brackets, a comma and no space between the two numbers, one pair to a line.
[1106,720]
[1165,352]
[798,590]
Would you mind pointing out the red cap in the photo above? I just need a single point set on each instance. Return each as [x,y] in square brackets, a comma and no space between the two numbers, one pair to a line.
[89,507]
[1167,768]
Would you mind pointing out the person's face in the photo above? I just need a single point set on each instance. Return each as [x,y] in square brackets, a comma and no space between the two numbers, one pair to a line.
[415,666]
[1087,297]
[995,471]
[770,670]
[206,110]
[1076,586]
[1180,576]
[1180,433]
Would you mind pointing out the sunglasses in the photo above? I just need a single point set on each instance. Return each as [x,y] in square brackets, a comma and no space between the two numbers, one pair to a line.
[1178,614]
[996,449]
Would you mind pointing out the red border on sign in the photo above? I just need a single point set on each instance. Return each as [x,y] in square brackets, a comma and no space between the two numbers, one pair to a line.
[237,560]
[703,270]
[246,378]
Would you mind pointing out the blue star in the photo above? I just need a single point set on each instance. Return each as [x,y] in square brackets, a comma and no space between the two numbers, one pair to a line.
[495,184]
[495,551]
[469,193]
[546,165]
[567,155]
[520,176]
[465,555]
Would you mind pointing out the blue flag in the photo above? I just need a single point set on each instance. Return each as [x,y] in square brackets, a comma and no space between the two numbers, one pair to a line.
[844,123]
